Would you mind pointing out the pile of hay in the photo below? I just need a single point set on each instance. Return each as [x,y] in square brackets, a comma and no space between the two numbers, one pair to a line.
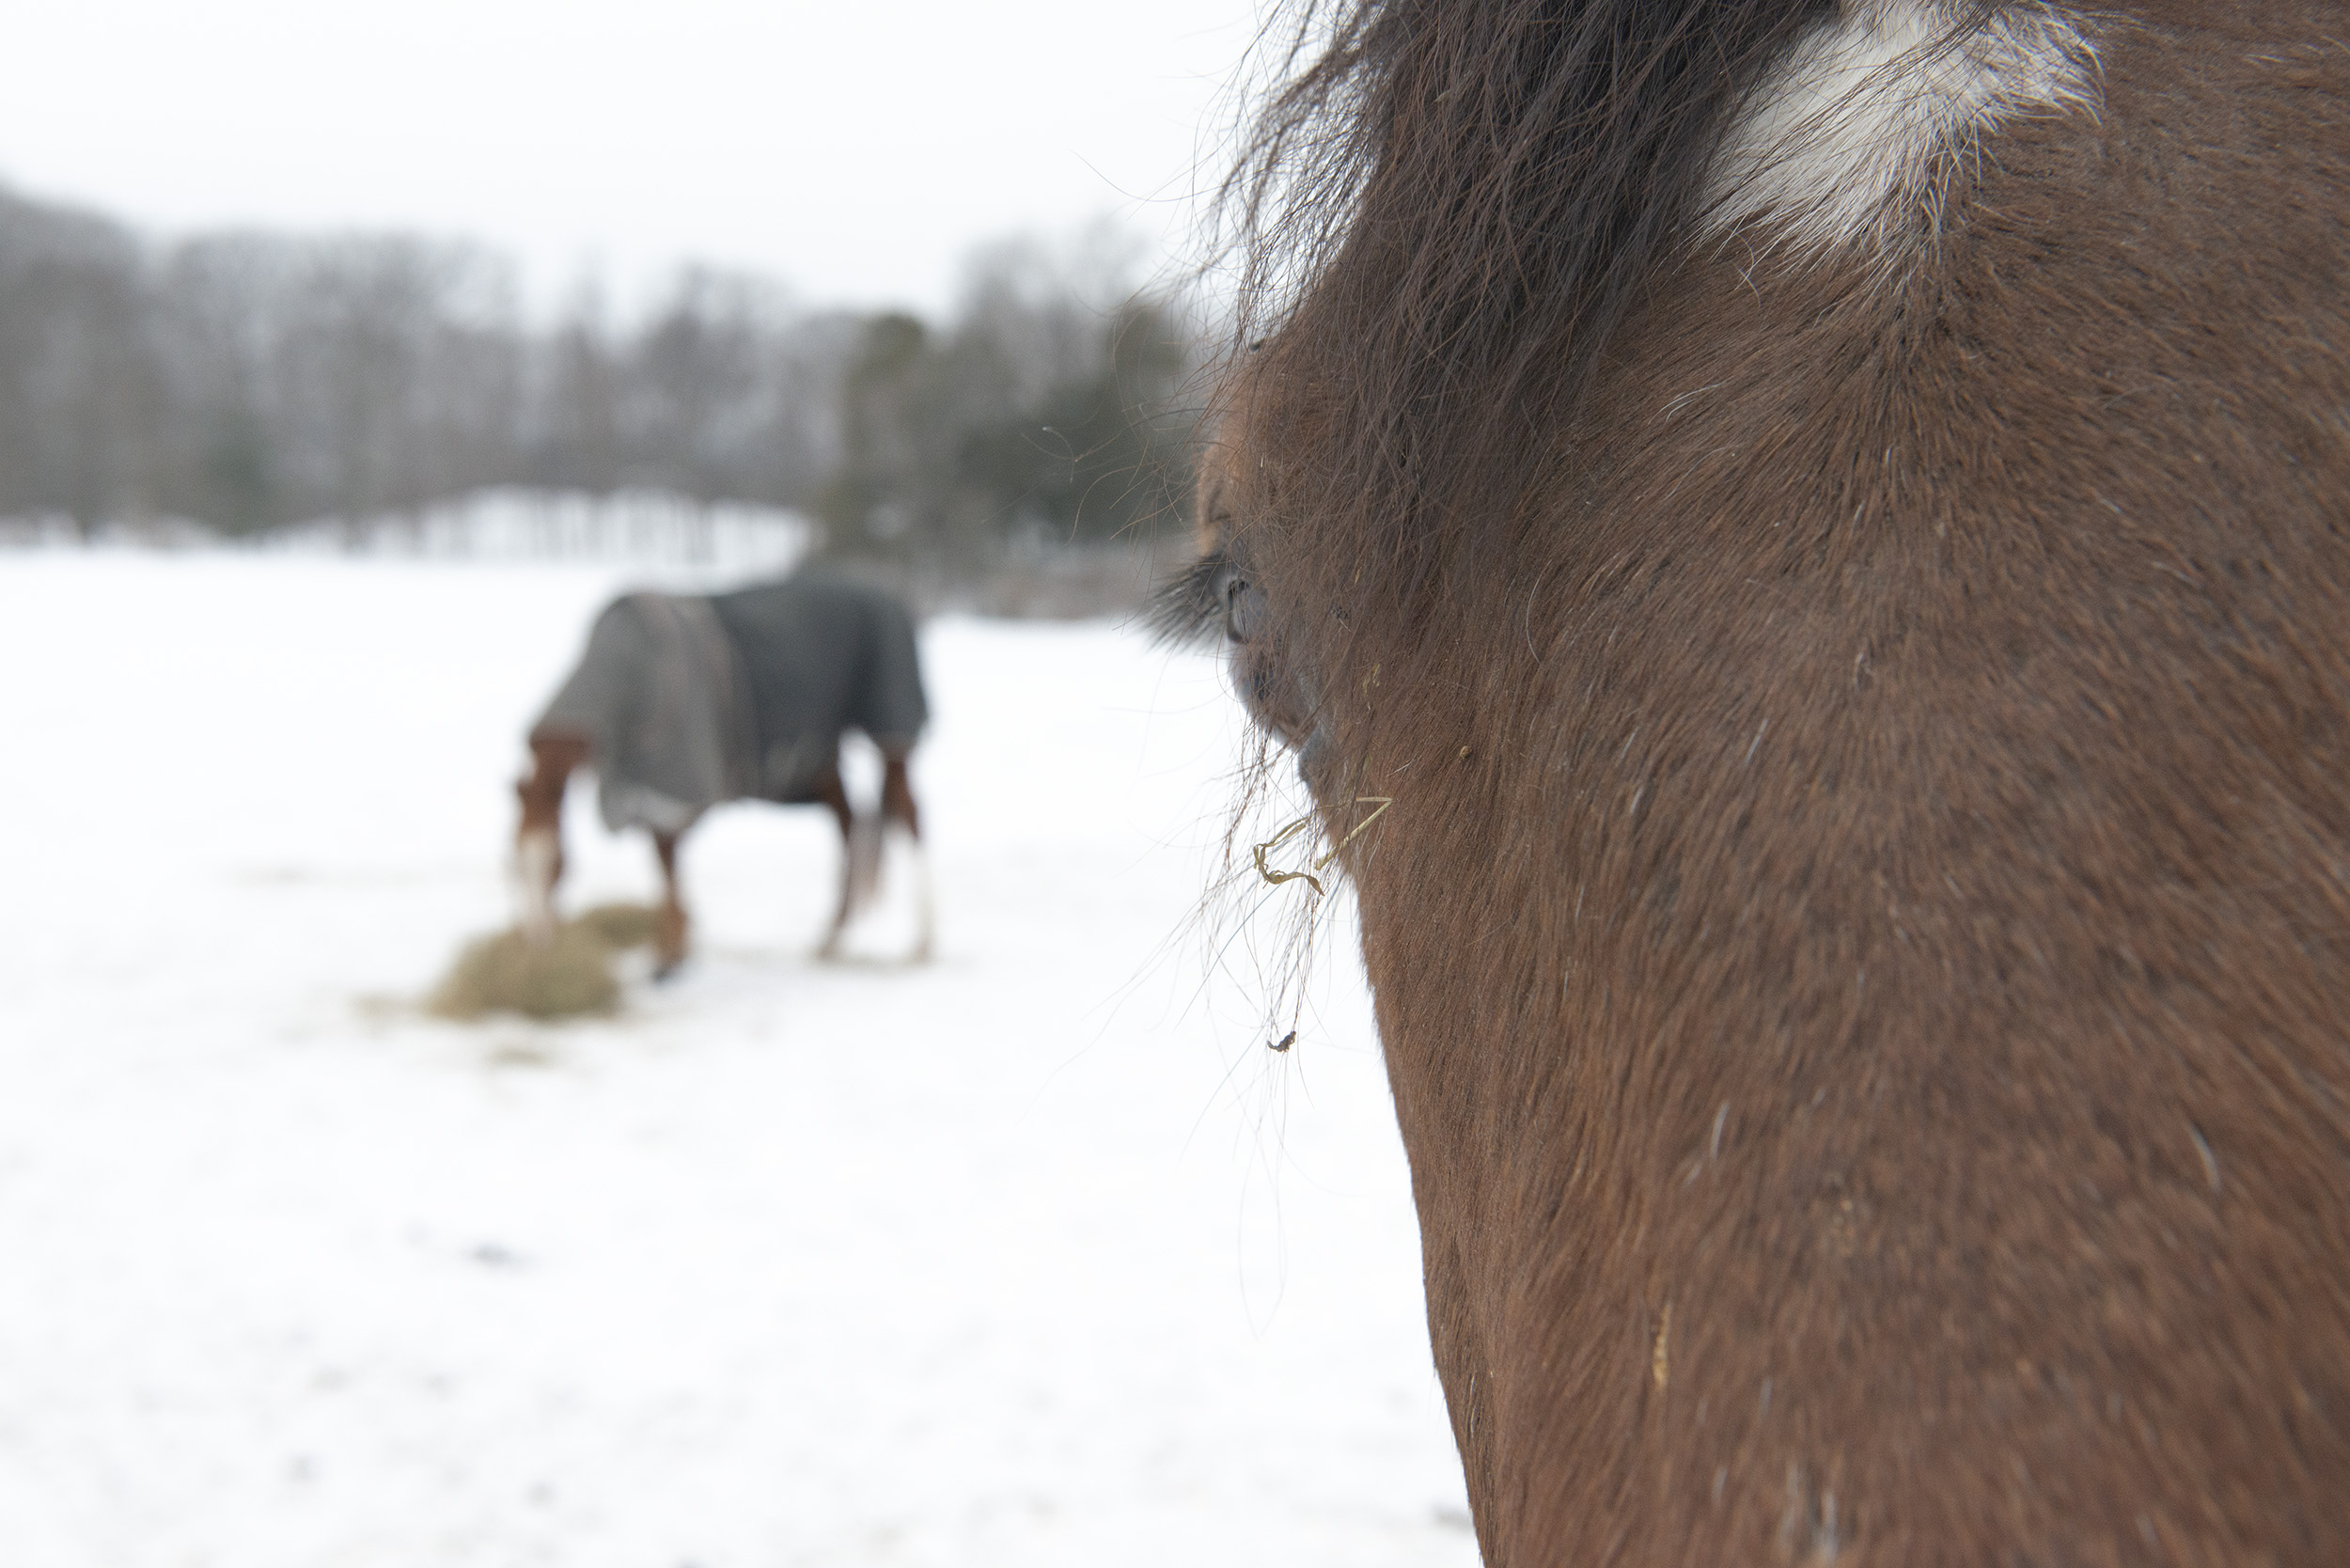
[564,978]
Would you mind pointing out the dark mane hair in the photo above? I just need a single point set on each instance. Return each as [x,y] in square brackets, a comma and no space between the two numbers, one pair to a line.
[1445,214]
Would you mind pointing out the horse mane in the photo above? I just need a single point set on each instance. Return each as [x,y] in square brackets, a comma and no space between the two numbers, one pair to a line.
[1444,215]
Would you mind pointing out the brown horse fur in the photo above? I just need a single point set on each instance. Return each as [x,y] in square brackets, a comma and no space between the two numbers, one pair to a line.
[1862,939]
[537,834]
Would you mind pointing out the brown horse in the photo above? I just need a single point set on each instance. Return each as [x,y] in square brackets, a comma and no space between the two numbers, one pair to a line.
[683,702]
[1832,525]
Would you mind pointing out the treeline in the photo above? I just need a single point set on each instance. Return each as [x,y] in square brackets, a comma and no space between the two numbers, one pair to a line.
[248,381]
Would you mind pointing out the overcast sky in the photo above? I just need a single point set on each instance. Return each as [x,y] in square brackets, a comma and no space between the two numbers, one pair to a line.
[854,149]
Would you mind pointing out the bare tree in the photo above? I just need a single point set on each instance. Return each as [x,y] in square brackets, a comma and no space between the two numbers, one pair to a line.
[250,381]
[80,399]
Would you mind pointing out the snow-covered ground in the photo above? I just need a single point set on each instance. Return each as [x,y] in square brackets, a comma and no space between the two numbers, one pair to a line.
[1035,1256]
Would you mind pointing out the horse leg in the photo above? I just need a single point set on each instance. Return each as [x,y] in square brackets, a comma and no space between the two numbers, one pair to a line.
[898,807]
[669,924]
[834,794]
[537,864]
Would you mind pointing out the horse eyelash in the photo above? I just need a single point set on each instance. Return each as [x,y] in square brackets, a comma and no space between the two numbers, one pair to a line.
[1189,607]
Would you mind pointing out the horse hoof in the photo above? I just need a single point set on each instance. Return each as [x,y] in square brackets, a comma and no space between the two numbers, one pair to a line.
[664,972]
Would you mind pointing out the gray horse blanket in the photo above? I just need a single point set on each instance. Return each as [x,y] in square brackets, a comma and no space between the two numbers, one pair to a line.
[691,701]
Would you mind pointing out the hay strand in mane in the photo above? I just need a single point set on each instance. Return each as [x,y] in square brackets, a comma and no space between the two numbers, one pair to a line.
[1276,878]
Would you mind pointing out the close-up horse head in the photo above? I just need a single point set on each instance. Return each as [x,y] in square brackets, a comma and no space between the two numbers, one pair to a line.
[1827,524]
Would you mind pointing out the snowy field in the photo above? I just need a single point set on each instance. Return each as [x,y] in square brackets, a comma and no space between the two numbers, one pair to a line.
[1035,1256]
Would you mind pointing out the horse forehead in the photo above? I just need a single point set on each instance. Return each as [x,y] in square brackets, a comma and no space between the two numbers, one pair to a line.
[1213,511]
[1873,109]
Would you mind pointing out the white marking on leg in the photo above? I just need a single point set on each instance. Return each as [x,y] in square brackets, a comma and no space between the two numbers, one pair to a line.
[1863,124]
[830,947]
[535,851]
[925,910]
[864,849]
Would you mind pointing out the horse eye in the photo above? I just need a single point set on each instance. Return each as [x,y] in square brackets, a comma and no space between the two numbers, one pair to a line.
[1243,608]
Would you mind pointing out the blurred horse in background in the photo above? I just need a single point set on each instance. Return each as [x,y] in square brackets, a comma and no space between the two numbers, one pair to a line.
[1831,524]
[681,702]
